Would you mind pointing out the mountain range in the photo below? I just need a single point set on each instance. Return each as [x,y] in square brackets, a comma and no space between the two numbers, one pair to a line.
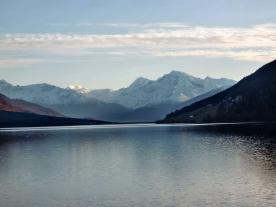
[144,100]
[194,100]
[65,101]
[158,111]
[175,87]
[19,113]
[251,99]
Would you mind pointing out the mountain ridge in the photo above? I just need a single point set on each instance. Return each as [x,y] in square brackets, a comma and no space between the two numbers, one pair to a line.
[66,101]
[175,86]
[22,119]
[126,104]
[251,99]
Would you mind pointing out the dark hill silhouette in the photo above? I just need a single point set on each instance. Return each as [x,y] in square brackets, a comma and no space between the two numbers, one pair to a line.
[19,119]
[251,99]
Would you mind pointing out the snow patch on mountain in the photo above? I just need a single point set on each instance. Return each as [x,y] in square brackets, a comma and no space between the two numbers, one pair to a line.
[79,89]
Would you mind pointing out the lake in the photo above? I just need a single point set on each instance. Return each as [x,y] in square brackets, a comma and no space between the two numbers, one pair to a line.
[139,165]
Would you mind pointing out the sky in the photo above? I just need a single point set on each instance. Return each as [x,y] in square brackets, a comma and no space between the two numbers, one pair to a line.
[110,43]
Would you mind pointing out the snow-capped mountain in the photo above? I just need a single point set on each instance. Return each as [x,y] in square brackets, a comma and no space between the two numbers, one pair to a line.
[113,96]
[174,87]
[64,100]
[143,100]
[43,93]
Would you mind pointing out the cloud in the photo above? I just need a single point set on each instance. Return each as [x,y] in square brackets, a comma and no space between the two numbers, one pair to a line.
[14,62]
[255,43]
[247,55]
[121,25]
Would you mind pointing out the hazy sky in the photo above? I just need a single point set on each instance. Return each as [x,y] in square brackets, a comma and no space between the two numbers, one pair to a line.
[109,43]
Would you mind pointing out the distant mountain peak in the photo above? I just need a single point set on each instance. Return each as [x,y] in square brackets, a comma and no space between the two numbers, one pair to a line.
[140,79]
[4,82]
[43,93]
[140,82]
[42,85]
[175,72]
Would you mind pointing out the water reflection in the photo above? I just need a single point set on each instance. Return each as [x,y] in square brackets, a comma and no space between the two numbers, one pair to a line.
[231,165]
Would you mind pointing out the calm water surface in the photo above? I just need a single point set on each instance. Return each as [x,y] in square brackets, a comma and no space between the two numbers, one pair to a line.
[139,165]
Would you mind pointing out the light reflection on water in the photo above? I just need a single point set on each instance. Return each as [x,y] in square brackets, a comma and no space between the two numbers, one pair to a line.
[139,165]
